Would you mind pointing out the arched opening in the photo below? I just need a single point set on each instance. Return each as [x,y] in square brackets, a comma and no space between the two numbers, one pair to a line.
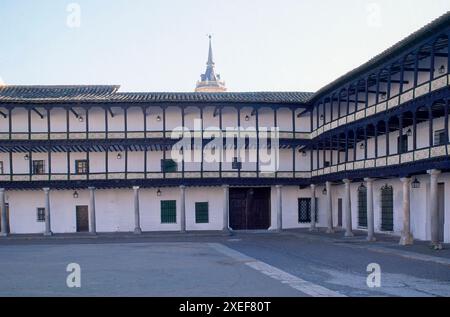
[387,208]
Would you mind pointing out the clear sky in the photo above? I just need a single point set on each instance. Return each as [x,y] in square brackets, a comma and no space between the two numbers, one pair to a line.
[161,45]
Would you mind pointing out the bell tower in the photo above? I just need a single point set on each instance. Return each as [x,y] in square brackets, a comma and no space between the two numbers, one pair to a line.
[210,81]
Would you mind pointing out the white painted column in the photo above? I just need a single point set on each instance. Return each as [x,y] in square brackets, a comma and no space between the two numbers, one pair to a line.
[348,209]
[279,208]
[434,209]
[313,208]
[4,231]
[226,208]
[183,208]
[92,225]
[329,209]
[370,214]
[406,237]
[137,219]
[48,230]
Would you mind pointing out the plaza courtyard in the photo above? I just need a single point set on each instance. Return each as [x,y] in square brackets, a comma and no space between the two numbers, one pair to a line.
[293,263]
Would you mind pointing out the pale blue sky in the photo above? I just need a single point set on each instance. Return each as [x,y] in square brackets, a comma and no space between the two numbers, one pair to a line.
[161,45]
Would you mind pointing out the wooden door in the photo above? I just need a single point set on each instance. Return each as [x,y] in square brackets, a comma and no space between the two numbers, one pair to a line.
[249,208]
[82,218]
[340,212]
[7,219]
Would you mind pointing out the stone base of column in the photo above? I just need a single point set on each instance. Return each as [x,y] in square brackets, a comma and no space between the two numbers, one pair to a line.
[349,234]
[315,229]
[3,235]
[48,234]
[436,245]
[371,239]
[93,233]
[330,231]
[138,231]
[406,239]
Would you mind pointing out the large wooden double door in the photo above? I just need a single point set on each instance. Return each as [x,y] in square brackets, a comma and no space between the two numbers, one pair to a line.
[249,208]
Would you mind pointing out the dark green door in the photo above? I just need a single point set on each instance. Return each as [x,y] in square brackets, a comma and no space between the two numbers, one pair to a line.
[362,206]
[387,208]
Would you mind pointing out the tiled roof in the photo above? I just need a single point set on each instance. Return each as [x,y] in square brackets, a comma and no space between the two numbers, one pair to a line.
[49,94]
[429,29]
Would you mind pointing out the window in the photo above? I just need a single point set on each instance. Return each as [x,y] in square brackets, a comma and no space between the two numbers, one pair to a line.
[38,167]
[81,166]
[201,212]
[168,211]
[304,210]
[41,214]
[402,144]
[439,137]
[168,166]
[236,165]
[1,168]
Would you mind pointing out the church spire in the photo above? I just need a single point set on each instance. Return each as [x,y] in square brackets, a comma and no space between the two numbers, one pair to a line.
[210,53]
[210,81]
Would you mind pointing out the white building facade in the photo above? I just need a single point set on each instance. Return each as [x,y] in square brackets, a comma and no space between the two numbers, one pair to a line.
[369,151]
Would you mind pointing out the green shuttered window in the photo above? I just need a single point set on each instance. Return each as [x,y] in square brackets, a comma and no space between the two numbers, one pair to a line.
[168,211]
[201,212]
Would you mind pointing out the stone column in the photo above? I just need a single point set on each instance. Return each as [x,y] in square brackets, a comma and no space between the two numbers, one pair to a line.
[279,208]
[137,219]
[226,208]
[348,209]
[434,209]
[183,208]
[313,208]
[48,230]
[92,225]
[370,215]
[329,209]
[4,231]
[406,237]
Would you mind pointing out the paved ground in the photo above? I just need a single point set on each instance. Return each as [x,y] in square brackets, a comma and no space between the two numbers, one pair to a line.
[295,263]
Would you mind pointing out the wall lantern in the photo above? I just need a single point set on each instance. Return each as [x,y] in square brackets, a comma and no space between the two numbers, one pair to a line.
[303,152]
[415,184]
[442,69]
[26,157]
[324,191]
[119,156]
[159,193]
[383,96]
[158,118]
[80,118]
[75,194]
[409,132]
[361,146]
[247,118]
[322,117]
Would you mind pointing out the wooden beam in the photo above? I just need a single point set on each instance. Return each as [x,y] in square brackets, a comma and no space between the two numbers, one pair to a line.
[38,113]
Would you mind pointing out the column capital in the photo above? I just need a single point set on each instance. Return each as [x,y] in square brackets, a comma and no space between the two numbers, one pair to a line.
[225,186]
[46,189]
[91,188]
[136,187]
[182,186]
[369,180]
[434,172]
[279,186]
[405,179]
[313,186]
[346,181]
[2,190]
